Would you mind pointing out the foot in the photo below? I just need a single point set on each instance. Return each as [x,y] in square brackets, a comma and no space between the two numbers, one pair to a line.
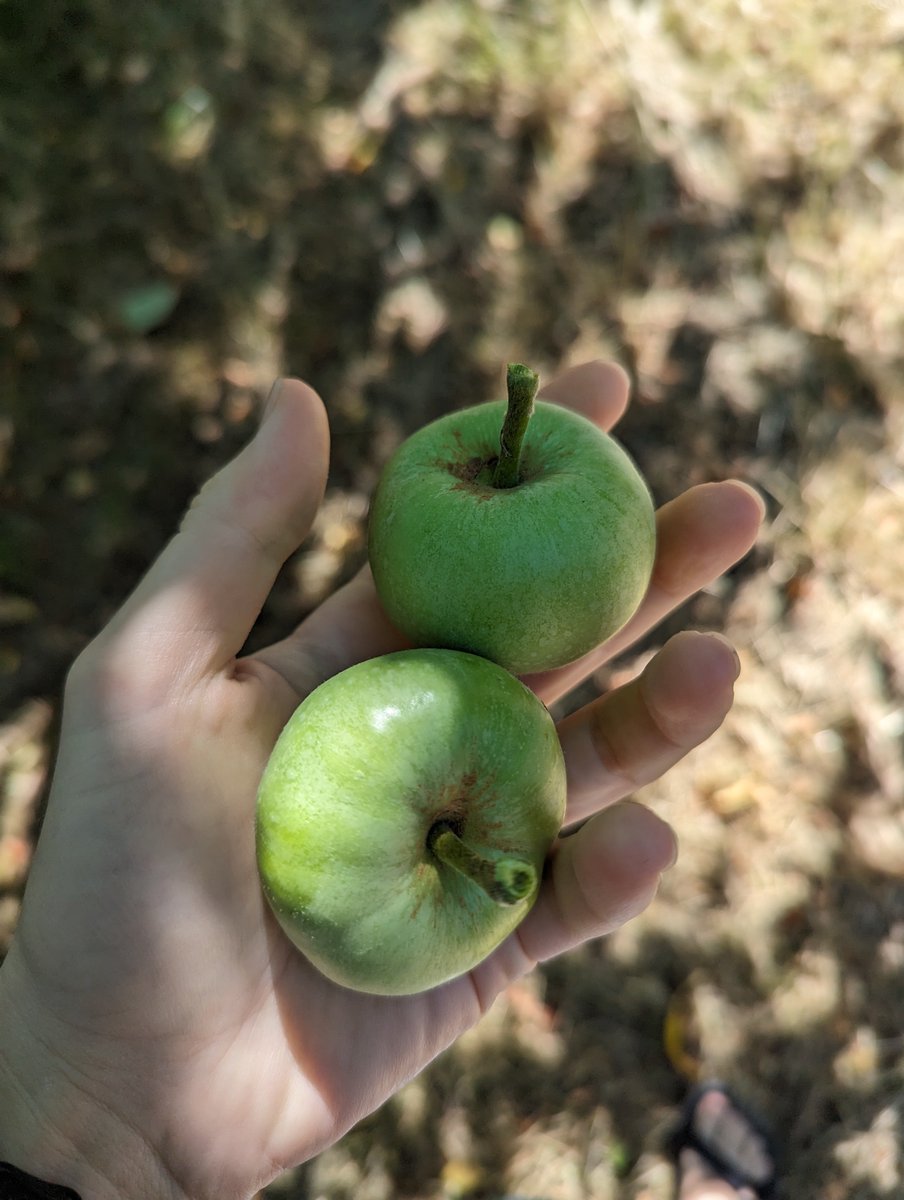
[718,1125]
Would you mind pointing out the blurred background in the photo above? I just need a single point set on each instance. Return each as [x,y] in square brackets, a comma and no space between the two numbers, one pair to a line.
[392,199]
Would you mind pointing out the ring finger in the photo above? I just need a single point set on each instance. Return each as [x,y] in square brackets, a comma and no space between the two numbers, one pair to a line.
[635,733]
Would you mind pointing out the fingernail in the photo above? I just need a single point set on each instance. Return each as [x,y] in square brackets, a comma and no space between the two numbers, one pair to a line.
[641,839]
[662,842]
[736,660]
[674,858]
[272,400]
[754,493]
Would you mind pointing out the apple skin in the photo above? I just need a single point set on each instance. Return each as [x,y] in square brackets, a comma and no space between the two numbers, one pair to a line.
[362,771]
[532,576]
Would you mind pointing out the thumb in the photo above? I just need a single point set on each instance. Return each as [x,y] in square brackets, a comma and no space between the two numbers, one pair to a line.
[195,607]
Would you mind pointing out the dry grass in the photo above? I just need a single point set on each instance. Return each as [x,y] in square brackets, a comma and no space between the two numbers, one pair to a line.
[714,195]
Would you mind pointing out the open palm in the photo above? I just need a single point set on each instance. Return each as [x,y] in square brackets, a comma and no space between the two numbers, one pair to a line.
[191,1050]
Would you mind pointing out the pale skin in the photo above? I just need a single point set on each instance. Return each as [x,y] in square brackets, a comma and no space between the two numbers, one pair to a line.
[723,1127]
[159,1037]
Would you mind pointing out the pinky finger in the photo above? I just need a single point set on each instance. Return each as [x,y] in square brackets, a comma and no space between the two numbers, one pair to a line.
[598,879]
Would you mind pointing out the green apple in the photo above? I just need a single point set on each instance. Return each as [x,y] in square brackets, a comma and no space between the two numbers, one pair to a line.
[404,817]
[528,546]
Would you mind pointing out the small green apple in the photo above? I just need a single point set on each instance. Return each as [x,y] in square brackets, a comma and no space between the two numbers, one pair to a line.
[529,548]
[404,817]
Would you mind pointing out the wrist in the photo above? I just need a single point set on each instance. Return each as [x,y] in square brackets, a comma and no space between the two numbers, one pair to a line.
[54,1124]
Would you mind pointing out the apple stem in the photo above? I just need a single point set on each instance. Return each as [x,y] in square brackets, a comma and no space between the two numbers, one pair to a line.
[505,880]
[522,384]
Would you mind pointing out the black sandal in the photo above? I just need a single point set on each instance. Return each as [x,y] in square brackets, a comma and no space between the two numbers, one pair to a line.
[685,1138]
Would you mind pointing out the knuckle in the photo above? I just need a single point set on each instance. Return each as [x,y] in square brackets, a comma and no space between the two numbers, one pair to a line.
[114,674]
[614,760]
[81,670]
[676,730]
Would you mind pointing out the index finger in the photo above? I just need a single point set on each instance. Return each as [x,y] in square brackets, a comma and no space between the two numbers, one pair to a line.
[597,390]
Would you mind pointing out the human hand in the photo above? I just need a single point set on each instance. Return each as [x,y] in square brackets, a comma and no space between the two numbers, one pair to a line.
[160,1036]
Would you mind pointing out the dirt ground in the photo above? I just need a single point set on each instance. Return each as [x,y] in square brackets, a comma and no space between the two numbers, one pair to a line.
[391,200]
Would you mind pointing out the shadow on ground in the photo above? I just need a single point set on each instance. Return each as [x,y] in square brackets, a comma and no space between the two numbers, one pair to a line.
[397,261]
